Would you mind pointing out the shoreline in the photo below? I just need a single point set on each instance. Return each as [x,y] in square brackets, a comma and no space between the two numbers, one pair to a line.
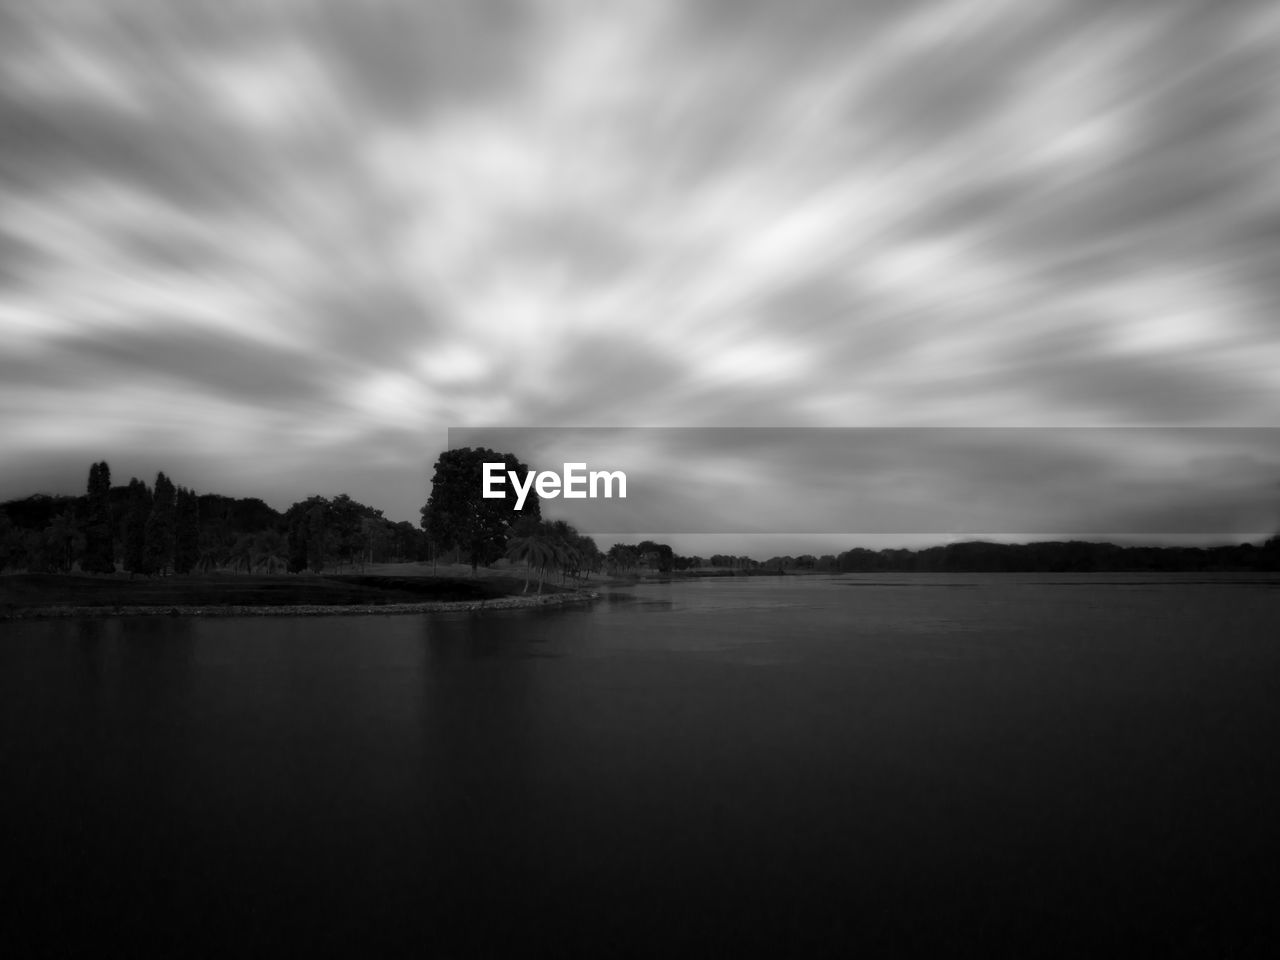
[68,611]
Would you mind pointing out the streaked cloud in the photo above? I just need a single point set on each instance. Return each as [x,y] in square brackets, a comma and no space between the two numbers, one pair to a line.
[278,249]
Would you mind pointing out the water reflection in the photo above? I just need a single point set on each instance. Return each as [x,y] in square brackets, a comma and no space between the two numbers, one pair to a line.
[767,753]
[506,635]
[89,643]
[462,638]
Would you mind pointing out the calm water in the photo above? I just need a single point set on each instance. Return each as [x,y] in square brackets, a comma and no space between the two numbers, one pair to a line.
[791,764]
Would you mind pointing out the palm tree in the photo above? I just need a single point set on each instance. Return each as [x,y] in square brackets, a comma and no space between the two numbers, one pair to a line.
[537,550]
[64,539]
[587,556]
[242,553]
[267,551]
[562,537]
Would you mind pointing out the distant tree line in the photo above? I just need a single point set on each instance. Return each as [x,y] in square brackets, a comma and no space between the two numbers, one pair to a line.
[1056,556]
[456,517]
[163,528]
[623,559]
[970,557]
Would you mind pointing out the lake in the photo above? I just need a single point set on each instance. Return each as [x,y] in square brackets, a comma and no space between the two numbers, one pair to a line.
[994,763]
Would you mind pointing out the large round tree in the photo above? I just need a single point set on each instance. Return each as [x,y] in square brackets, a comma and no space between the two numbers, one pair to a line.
[458,515]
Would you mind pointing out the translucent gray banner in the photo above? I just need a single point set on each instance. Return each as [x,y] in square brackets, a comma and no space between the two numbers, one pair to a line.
[980,480]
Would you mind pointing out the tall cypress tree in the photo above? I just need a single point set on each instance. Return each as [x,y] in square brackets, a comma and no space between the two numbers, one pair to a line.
[135,527]
[99,545]
[160,527]
[186,534]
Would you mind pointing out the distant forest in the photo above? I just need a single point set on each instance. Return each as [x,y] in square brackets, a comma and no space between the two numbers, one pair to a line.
[975,556]
[161,528]
[164,528]
[1048,557]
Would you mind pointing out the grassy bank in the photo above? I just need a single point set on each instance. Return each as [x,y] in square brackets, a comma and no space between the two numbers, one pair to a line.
[24,595]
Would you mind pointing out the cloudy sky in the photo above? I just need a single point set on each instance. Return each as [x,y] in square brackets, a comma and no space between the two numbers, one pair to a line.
[279,248]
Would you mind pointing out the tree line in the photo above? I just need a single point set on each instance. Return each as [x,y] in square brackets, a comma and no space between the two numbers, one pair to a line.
[488,529]
[977,556]
[1050,556]
[166,528]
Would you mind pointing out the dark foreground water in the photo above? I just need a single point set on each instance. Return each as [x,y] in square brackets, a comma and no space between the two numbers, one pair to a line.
[966,765]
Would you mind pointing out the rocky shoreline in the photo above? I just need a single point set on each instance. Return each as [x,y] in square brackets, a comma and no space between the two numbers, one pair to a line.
[300,610]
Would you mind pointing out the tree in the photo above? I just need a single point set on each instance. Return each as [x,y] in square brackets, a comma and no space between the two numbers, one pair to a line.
[409,543]
[535,545]
[659,556]
[159,533]
[1270,554]
[346,522]
[376,535]
[99,546]
[318,542]
[137,512]
[10,541]
[63,542]
[621,558]
[308,535]
[38,510]
[554,545]
[457,515]
[186,534]
[587,556]
[268,551]
[429,524]
[575,553]
[36,553]
[240,555]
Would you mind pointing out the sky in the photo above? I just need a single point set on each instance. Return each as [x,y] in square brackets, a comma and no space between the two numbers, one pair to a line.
[277,249]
